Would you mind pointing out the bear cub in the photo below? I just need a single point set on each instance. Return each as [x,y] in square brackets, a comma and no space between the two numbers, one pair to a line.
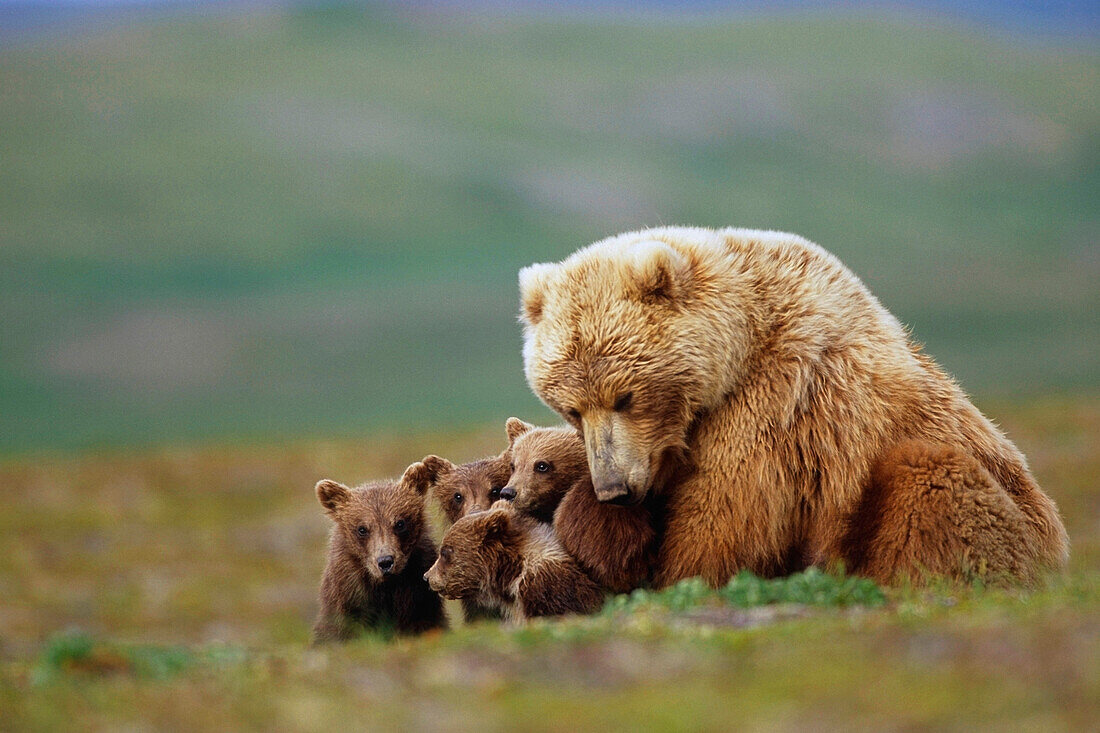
[614,545]
[464,489]
[514,563]
[468,487]
[378,551]
[545,463]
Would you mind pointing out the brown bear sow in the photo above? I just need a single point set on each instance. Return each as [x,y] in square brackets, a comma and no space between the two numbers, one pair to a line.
[378,552]
[614,545]
[781,414]
[464,489]
[514,563]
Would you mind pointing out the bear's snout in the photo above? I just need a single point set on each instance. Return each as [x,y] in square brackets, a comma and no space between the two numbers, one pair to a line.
[617,494]
[508,493]
[432,576]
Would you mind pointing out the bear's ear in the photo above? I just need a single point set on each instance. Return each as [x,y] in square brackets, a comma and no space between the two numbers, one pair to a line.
[660,272]
[533,280]
[332,495]
[423,474]
[496,524]
[515,428]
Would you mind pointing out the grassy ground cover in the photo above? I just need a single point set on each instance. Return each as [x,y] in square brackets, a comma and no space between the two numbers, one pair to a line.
[176,587]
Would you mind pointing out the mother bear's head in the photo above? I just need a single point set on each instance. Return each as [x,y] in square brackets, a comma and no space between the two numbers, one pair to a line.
[626,341]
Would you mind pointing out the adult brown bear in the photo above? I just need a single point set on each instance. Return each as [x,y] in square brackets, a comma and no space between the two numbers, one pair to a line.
[752,386]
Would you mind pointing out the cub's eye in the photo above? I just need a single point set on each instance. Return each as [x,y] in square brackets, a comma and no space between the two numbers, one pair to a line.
[623,402]
[446,553]
[512,467]
[573,413]
[542,467]
[494,493]
[362,531]
[458,498]
[400,526]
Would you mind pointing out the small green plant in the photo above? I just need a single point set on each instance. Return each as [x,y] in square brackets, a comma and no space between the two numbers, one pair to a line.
[78,653]
[812,587]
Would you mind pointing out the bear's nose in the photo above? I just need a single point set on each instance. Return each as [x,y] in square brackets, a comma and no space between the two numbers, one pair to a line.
[385,563]
[616,493]
[508,493]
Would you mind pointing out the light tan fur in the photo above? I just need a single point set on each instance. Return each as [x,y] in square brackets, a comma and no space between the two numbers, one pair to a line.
[782,414]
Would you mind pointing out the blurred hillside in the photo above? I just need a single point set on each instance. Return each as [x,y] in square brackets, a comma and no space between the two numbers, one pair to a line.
[283,222]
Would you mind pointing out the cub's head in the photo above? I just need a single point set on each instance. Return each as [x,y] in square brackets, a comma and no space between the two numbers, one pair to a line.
[618,341]
[468,487]
[470,552]
[381,522]
[545,463]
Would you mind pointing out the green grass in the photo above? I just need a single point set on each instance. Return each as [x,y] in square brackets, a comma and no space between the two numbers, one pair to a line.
[309,223]
[177,586]
[811,587]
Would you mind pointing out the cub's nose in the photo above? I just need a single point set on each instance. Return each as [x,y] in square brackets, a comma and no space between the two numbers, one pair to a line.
[508,493]
[385,564]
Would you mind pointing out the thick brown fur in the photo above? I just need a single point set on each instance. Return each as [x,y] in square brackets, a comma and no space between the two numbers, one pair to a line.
[378,552]
[464,489]
[808,428]
[614,545]
[513,562]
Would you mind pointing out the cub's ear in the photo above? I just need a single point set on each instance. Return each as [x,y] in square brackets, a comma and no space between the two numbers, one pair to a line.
[661,274]
[496,524]
[332,495]
[423,474]
[515,428]
[533,281]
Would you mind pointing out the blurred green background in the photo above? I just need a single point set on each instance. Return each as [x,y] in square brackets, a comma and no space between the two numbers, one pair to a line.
[277,221]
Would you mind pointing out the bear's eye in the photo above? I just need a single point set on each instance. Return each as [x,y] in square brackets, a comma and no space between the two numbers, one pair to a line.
[458,498]
[512,467]
[362,531]
[574,413]
[400,526]
[623,402]
[542,467]
[446,553]
[494,493]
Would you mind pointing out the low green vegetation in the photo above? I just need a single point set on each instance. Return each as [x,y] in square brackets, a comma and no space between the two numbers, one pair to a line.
[811,587]
[177,587]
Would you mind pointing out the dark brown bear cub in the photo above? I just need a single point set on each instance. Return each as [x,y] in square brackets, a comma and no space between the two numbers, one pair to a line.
[378,552]
[615,545]
[464,489]
[511,562]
